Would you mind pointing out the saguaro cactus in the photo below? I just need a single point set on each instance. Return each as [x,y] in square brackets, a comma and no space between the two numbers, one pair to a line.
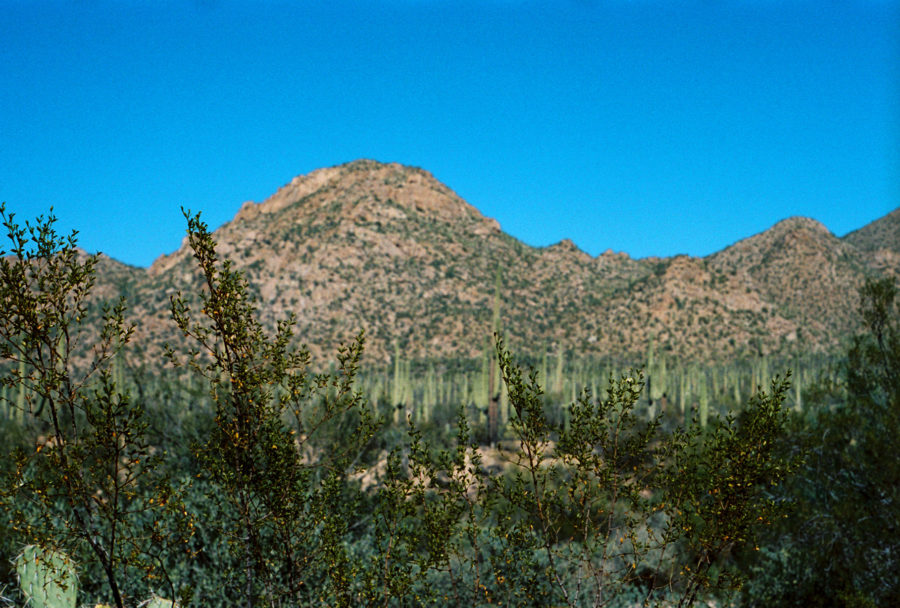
[558,373]
[736,384]
[704,400]
[495,416]
[430,394]
[401,389]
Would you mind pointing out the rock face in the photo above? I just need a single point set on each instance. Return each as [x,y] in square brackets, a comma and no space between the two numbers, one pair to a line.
[390,249]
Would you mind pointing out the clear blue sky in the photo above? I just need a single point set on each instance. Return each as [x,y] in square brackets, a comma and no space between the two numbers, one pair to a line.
[651,127]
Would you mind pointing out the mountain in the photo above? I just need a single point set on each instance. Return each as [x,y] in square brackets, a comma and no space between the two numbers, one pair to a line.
[880,240]
[390,249]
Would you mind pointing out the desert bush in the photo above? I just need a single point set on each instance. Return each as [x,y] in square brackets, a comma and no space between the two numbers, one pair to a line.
[841,547]
[83,481]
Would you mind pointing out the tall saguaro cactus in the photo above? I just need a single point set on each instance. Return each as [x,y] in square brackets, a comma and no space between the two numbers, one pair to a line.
[558,372]
[651,371]
[704,399]
[495,415]
[735,383]
[401,390]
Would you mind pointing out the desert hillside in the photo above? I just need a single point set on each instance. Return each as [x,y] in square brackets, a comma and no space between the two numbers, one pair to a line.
[390,249]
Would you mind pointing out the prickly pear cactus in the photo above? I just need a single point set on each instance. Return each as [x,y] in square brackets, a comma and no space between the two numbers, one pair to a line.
[47,578]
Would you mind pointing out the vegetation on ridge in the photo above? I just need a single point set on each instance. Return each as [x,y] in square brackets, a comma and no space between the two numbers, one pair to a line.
[391,249]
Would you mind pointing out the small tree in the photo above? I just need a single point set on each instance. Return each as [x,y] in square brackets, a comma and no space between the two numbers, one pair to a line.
[610,505]
[841,548]
[286,482]
[88,486]
[721,491]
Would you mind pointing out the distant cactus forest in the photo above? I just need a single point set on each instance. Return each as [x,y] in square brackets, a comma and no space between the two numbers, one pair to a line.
[233,468]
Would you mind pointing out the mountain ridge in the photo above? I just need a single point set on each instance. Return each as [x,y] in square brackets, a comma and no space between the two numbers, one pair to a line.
[390,249]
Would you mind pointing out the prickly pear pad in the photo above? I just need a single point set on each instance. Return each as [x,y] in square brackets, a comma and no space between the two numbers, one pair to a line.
[47,577]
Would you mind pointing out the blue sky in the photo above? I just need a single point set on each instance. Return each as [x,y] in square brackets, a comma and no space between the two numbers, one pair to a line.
[650,127]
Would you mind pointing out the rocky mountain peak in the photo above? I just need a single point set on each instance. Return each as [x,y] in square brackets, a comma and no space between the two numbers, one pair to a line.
[566,248]
[410,187]
[798,223]
[360,196]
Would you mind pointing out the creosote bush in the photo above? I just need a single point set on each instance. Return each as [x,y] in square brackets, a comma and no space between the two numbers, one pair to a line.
[84,481]
[614,507]
[841,548]
[289,515]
